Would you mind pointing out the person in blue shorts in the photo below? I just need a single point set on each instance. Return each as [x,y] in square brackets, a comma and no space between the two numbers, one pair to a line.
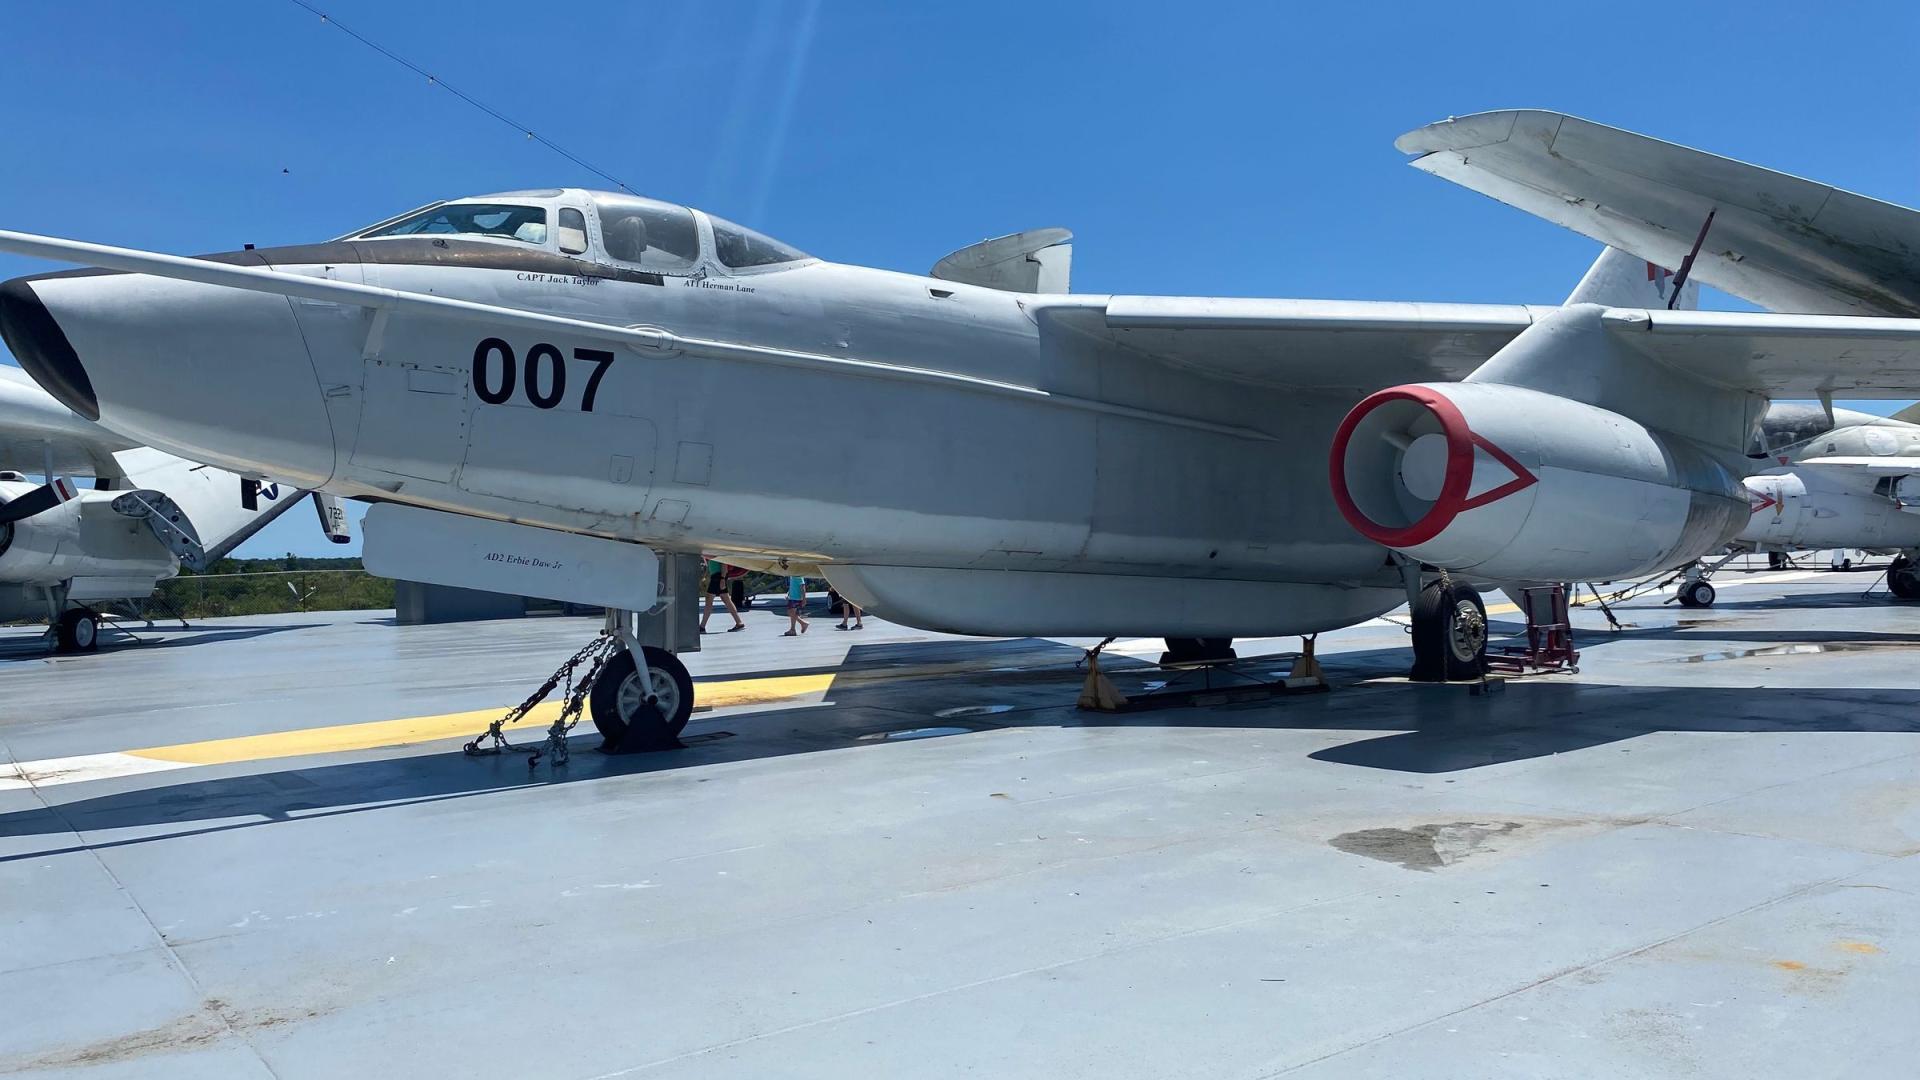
[796,606]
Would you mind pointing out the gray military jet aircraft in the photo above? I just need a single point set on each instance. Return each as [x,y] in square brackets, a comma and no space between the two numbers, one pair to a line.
[536,388]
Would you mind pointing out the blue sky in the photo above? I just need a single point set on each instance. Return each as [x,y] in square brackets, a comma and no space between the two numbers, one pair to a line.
[1235,149]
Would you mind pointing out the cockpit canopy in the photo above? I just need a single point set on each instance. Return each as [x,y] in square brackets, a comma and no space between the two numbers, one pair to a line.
[619,230]
[1788,424]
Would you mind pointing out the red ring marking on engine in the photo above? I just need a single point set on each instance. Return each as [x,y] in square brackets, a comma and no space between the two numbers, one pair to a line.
[1455,485]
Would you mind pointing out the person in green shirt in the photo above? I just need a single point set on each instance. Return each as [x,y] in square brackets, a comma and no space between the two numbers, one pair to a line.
[717,586]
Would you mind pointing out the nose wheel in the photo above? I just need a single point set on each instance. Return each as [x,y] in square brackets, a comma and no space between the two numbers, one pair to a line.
[1697,594]
[642,708]
[1449,633]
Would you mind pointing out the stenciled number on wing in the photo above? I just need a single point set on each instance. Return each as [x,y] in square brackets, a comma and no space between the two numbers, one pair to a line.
[497,374]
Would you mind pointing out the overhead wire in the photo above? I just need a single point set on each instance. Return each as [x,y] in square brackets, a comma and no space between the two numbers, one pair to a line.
[462,95]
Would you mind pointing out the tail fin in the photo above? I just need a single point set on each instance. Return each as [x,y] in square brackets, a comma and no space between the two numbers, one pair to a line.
[198,511]
[1909,415]
[1617,279]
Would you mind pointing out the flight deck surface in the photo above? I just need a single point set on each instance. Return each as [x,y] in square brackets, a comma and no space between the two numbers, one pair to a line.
[254,848]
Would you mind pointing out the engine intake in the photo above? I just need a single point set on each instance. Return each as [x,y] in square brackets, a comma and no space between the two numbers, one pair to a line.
[1519,484]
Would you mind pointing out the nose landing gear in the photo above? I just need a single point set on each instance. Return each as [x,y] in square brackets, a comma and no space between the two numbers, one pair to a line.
[1697,594]
[642,708]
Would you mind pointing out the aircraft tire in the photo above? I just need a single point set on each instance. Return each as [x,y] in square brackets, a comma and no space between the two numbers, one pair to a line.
[77,631]
[1697,594]
[619,691]
[1903,578]
[1449,633]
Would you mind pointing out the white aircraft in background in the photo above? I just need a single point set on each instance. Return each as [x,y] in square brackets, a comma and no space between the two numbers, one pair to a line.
[536,389]
[1841,479]
[64,551]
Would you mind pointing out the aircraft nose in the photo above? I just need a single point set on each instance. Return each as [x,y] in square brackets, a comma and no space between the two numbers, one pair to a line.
[43,349]
[217,375]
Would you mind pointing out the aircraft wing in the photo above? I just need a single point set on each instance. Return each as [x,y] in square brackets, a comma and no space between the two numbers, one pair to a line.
[1782,242]
[1321,345]
[32,424]
[1334,346]
[1872,466]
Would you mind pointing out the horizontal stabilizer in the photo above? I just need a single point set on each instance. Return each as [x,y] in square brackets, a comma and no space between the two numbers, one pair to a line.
[1782,242]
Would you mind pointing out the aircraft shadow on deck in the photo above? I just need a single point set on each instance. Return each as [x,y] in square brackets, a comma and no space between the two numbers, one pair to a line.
[36,646]
[887,689]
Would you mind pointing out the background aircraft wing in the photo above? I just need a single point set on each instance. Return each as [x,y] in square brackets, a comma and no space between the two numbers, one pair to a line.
[1870,466]
[32,423]
[1777,240]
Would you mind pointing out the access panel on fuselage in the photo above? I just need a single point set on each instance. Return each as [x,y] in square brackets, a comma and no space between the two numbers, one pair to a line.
[555,421]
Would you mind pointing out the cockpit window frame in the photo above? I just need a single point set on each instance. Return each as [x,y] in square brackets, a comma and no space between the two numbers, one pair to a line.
[603,253]
[711,238]
[1786,425]
[548,207]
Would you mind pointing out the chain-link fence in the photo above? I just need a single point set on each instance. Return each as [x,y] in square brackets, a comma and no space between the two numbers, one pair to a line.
[270,592]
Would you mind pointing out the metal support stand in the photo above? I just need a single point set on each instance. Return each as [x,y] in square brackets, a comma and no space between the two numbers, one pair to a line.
[1549,645]
[1235,685]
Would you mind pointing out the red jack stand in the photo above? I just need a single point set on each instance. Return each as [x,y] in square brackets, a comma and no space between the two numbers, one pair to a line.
[1549,645]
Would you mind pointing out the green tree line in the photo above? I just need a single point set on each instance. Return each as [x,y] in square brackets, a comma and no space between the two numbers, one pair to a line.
[272,586]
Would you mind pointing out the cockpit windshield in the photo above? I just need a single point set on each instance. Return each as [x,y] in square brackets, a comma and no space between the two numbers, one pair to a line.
[1787,424]
[740,247]
[506,221]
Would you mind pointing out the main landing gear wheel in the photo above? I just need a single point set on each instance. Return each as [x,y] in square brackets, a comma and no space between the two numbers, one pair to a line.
[620,694]
[76,631]
[1697,594]
[1449,633]
[1903,578]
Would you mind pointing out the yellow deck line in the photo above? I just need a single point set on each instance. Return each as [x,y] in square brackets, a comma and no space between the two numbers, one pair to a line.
[414,729]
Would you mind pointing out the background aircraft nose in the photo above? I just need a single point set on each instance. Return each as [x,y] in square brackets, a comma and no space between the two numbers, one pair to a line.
[216,375]
[42,348]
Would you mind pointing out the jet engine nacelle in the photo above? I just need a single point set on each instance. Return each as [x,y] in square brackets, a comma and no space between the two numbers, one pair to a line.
[80,539]
[1518,484]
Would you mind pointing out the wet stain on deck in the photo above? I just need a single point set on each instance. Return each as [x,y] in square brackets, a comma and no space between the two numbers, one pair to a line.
[1423,847]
